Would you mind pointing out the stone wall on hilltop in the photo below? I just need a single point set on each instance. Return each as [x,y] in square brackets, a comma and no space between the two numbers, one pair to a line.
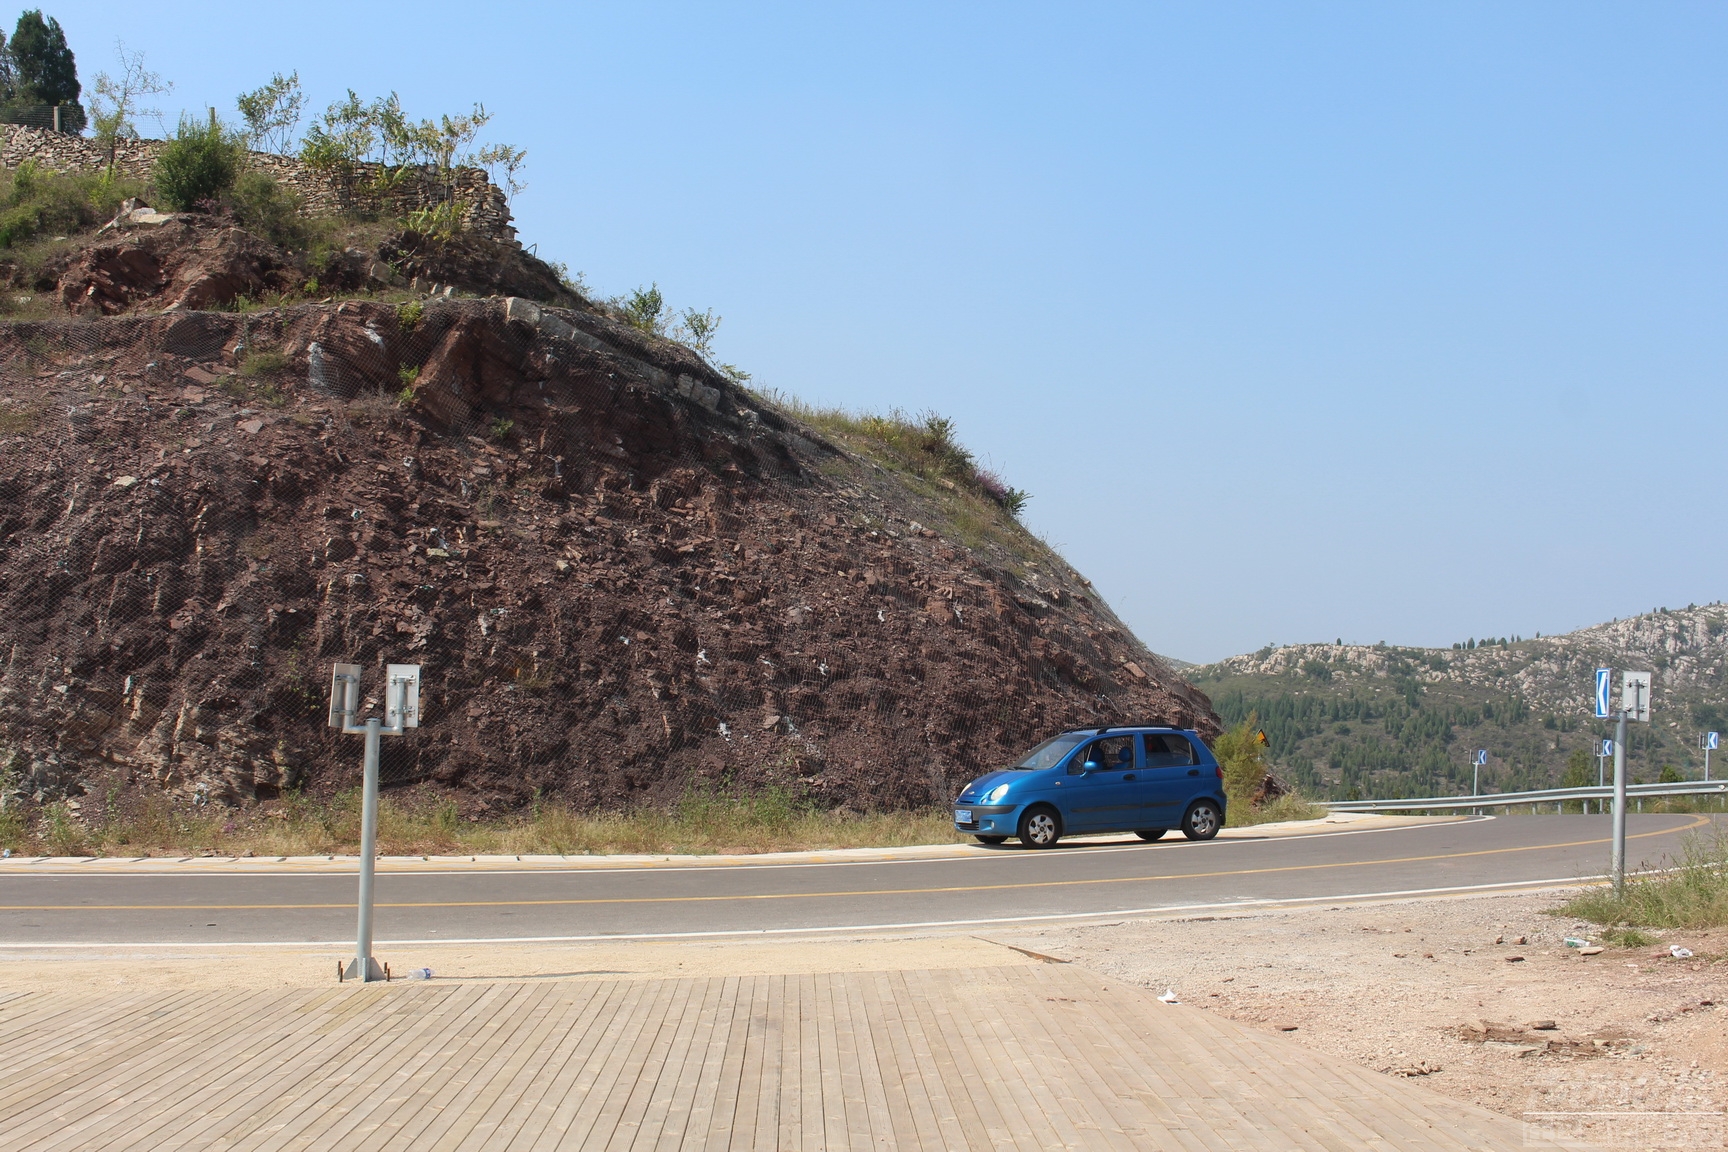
[483,205]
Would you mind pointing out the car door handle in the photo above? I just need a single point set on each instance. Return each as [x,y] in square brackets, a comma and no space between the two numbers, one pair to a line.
[1130,776]
[1193,771]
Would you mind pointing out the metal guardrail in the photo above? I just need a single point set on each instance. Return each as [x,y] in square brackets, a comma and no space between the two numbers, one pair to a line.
[1546,796]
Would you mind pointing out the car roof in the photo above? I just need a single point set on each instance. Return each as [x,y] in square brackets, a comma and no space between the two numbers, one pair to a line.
[1125,728]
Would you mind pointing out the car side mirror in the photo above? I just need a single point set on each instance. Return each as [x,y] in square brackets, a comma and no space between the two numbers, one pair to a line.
[1089,766]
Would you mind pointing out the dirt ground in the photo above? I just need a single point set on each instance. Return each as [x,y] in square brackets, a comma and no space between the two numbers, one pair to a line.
[1433,990]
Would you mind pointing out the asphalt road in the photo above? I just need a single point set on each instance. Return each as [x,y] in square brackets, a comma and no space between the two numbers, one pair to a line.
[996,886]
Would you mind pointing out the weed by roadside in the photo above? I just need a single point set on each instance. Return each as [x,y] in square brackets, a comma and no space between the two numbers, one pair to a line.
[1627,938]
[1256,795]
[1693,895]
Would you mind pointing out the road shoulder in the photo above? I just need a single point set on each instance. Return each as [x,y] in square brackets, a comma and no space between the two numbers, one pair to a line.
[1333,824]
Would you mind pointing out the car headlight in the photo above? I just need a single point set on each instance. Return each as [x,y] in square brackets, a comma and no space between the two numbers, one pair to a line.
[995,795]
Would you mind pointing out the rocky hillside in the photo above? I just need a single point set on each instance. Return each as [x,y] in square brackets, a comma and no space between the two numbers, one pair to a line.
[1388,721]
[150,261]
[623,575]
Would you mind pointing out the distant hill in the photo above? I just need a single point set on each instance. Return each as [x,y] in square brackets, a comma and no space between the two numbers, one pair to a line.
[1347,720]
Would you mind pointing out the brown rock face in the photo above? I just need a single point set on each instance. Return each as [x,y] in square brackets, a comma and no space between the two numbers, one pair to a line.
[622,576]
[189,263]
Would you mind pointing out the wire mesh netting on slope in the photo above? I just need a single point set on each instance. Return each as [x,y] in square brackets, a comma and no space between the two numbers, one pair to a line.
[623,575]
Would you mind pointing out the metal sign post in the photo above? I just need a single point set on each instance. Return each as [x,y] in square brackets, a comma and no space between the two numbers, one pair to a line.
[1634,705]
[1604,750]
[1476,774]
[1617,854]
[401,712]
[1710,741]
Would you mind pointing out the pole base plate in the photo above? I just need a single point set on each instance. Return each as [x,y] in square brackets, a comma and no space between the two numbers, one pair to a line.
[366,970]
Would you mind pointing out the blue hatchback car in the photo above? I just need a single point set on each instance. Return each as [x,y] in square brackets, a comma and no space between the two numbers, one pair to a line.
[1138,779]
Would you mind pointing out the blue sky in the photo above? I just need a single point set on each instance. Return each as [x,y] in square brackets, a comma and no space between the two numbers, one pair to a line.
[1299,321]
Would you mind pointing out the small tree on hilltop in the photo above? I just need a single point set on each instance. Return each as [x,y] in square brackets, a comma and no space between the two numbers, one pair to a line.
[44,70]
[115,101]
[272,112]
[502,156]
[644,309]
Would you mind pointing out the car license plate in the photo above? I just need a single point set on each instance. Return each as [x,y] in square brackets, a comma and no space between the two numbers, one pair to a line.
[962,816]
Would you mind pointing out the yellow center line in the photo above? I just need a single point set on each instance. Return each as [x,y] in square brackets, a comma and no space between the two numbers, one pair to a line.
[1697,822]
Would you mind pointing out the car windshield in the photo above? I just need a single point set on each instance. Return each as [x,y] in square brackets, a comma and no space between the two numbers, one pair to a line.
[1048,754]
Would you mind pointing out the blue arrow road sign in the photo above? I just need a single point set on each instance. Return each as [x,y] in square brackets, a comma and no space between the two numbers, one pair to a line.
[1607,747]
[1481,755]
[1602,677]
[1711,740]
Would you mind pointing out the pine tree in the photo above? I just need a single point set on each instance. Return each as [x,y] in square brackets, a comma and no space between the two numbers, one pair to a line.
[43,68]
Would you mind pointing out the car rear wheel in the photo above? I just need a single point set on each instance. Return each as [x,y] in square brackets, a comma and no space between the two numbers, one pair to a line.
[1040,828]
[1152,833]
[991,839]
[1202,820]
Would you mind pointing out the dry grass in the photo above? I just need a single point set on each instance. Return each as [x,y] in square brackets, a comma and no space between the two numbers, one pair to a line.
[700,824]
[924,447]
[1694,895]
[1290,806]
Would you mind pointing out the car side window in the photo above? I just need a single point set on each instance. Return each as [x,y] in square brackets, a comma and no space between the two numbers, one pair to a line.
[1169,751]
[1111,754]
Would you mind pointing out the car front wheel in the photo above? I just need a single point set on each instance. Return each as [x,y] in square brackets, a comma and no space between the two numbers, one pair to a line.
[1151,833]
[991,839]
[1040,828]
[1202,820]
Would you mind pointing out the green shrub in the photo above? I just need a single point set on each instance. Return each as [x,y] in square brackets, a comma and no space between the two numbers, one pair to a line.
[202,162]
[1241,752]
[264,362]
[266,208]
[644,309]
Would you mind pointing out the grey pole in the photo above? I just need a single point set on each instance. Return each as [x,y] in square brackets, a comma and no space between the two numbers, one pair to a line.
[1618,861]
[364,967]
